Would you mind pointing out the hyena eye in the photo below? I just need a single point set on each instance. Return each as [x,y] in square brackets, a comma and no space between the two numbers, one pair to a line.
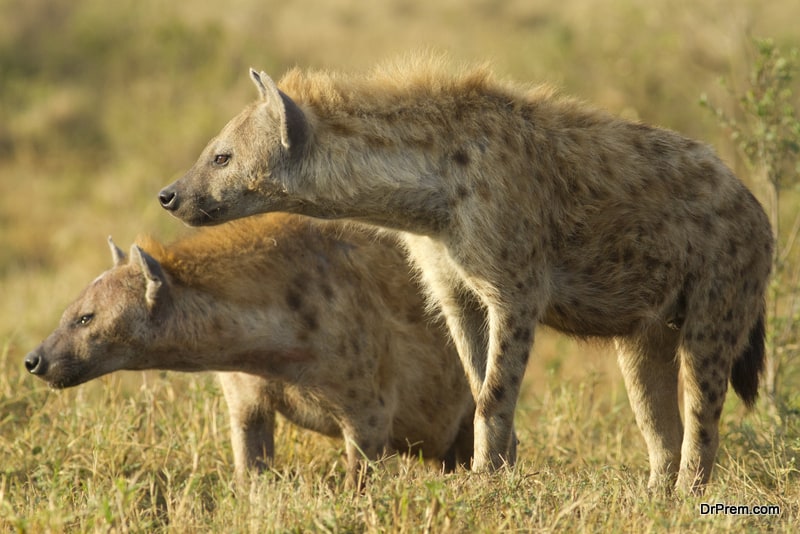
[85,319]
[222,159]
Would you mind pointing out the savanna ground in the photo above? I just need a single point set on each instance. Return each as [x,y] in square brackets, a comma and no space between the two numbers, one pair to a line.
[102,103]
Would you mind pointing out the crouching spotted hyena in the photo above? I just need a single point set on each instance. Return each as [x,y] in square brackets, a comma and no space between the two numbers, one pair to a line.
[320,322]
[521,207]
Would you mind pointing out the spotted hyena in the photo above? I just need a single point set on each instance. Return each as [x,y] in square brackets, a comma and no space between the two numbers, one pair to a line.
[522,207]
[320,322]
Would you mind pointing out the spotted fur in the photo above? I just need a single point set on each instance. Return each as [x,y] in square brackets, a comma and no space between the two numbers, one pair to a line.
[521,207]
[317,321]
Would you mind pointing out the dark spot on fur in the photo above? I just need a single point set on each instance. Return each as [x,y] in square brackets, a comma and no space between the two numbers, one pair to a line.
[462,192]
[310,320]
[293,299]
[355,343]
[522,334]
[372,421]
[732,248]
[700,336]
[498,392]
[351,394]
[327,291]
[461,157]
[707,223]
[705,439]
[729,337]
[381,401]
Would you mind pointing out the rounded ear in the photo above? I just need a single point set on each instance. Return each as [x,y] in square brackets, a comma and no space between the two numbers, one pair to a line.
[154,275]
[116,253]
[294,126]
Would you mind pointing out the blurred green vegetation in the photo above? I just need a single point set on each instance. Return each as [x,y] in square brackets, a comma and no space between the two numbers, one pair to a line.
[103,103]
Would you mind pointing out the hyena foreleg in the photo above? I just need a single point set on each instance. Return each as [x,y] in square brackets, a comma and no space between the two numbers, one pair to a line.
[463,312]
[252,422]
[477,336]
[510,342]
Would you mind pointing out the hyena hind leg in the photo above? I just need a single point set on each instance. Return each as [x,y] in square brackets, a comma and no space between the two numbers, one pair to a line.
[650,369]
[706,366]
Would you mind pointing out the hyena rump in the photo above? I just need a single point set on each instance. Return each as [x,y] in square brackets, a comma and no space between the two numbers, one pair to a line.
[520,207]
[317,321]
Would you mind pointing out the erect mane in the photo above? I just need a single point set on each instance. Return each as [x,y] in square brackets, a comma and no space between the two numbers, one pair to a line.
[410,79]
[227,259]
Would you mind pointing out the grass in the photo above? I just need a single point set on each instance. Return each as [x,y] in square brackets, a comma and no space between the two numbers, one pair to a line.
[101,104]
[149,452]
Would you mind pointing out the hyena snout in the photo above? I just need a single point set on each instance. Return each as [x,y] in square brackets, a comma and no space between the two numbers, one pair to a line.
[35,363]
[168,198]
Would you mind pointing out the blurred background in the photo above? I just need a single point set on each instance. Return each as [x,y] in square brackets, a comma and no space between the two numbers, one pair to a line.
[103,103]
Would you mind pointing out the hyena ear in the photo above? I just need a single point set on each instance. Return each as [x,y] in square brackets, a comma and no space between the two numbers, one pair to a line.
[154,275]
[116,253]
[294,126]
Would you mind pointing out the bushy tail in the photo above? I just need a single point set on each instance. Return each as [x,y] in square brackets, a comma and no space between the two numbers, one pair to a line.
[748,367]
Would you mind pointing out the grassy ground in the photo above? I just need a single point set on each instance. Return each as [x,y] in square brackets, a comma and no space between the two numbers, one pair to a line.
[149,452]
[101,104]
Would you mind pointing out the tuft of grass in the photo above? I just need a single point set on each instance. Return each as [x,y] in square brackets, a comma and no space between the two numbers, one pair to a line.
[156,458]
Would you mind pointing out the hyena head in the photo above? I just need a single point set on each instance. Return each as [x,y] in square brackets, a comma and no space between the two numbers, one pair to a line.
[244,169]
[108,327]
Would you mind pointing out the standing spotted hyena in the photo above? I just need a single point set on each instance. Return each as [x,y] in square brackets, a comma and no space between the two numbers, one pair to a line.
[321,322]
[520,207]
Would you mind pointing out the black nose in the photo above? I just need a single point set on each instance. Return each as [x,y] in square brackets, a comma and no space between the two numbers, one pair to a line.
[168,199]
[35,364]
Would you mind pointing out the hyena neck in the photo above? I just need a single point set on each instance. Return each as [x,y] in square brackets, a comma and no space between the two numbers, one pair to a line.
[202,332]
[390,182]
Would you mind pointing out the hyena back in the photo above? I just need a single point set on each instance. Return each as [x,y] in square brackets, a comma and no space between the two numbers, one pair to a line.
[320,322]
[521,207]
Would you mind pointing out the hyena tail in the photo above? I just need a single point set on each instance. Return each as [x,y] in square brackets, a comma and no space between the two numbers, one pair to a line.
[747,369]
